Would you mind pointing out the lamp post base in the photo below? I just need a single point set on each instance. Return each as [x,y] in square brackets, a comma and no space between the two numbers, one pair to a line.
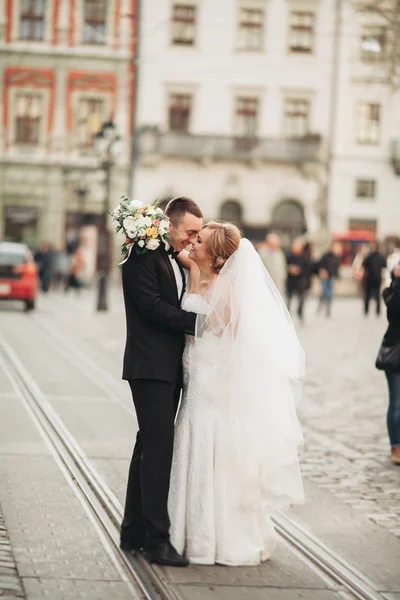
[102,293]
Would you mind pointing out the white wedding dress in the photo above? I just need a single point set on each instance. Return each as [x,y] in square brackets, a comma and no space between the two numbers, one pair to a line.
[223,484]
[206,524]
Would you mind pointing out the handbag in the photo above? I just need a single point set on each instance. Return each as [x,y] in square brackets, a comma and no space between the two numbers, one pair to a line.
[388,358]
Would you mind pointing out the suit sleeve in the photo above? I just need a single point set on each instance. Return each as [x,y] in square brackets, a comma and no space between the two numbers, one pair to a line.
[142,286]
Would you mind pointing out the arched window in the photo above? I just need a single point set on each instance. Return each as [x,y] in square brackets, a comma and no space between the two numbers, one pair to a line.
[288,220]
[232,211]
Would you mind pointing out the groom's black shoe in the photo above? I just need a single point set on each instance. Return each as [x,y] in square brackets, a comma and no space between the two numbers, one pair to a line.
[165,554]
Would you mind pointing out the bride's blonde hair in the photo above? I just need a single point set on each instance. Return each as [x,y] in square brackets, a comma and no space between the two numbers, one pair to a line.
[222,243]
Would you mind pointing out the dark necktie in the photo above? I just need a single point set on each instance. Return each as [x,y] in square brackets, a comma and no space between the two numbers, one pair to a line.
[172,253]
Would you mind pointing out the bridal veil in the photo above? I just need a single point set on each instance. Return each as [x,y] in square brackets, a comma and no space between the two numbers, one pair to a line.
[256,380]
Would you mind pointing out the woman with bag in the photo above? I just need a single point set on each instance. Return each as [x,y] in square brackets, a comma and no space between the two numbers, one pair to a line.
[389,361]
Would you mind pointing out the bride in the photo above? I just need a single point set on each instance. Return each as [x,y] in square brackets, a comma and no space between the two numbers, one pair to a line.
[237,433]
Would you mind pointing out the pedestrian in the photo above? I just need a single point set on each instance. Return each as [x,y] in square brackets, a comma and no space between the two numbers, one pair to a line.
[298,271]
[44,259]
[358,269]
[373,265]
[274,260]
[392,260]
[307,250]
[76,269]
[328,272]
[61,268]
[389,361]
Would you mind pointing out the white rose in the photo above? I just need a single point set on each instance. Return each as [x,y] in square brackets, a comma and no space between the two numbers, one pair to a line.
[159,211]
[150,211]
[152,244]
[116,211]
[141,243]
[129,224]
[134,204]
[163,227]
[145,222]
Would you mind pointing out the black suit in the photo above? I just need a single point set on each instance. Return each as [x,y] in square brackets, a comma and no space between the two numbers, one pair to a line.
[153,367]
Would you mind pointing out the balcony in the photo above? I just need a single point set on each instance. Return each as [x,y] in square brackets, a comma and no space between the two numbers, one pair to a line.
[155,145]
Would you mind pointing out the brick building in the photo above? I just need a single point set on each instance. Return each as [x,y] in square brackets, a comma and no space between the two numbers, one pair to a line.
[66,66]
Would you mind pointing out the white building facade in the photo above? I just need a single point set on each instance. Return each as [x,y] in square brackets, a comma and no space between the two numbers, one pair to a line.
[236,108]
[364,182]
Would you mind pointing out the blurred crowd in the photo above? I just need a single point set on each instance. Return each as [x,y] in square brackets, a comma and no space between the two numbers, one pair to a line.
[294,272]
[60,268]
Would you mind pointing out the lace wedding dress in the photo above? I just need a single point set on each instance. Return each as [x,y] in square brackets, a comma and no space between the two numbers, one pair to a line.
[206,523]
[236,433]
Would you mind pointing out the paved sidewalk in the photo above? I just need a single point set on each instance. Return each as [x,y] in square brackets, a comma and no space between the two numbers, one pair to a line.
[10,582]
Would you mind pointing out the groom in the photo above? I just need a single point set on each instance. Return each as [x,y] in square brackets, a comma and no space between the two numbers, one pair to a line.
[153,286]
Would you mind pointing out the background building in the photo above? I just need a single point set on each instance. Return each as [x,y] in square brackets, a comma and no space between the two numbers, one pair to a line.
[364,182]
[268,112]
[66,67]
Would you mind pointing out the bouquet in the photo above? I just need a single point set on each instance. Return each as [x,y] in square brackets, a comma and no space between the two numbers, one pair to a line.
[145,224]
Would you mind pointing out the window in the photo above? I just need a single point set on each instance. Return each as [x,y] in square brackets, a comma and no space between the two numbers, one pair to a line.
[89,120]
[366,188]
[368,123]
[180,106]
[32,19]
[301,32]
[94,21]
[27,121]
[296,117]
[373,43]
[251,29]
[231,211]
[183,24]
[246,116]
[246,123]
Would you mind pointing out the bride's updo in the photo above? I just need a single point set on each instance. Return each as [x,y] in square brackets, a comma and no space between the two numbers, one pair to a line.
[223,241]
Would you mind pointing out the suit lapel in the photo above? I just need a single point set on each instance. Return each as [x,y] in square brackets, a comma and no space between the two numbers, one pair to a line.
[183,280]
[170,271]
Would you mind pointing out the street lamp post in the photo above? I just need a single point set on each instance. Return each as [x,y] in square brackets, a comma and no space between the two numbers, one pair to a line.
[106,139]
[81,193]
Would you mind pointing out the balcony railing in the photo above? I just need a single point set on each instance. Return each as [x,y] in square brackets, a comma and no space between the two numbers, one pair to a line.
[185,145]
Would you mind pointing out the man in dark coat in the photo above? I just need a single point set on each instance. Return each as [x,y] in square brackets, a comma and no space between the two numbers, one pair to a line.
[328,271]
[153,286]
[373,266]
[299,269]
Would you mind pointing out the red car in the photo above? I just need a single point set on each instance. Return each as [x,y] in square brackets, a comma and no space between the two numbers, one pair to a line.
[18,274]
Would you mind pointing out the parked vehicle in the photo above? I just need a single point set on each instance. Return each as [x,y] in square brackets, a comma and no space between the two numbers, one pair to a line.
[18,274]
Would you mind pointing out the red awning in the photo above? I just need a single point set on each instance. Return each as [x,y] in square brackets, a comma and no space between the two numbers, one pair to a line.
[355,236]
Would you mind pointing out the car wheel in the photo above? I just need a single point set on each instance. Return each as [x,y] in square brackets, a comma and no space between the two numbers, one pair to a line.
[29,305]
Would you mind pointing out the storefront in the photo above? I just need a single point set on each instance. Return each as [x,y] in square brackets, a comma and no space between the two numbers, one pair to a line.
[21,224]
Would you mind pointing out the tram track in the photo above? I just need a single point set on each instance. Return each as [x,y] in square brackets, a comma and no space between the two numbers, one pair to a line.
[348,581]
[142,579]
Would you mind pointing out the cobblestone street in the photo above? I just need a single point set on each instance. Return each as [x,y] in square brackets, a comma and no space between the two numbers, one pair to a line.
[74,355]
[344,413]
